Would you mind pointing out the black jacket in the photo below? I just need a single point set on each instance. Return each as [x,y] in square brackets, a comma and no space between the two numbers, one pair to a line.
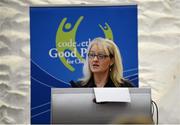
[110,83]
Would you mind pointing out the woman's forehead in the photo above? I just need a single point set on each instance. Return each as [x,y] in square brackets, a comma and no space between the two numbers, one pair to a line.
[99,48]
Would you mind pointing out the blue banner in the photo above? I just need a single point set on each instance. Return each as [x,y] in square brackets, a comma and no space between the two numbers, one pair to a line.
[59,39]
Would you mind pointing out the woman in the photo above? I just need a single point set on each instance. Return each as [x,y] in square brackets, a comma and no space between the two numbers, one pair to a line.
[103,66]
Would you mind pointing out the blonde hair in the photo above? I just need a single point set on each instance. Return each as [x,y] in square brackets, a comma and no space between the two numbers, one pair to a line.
[116,73]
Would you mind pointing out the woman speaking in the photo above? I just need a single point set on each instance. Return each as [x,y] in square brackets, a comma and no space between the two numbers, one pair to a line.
[103,66]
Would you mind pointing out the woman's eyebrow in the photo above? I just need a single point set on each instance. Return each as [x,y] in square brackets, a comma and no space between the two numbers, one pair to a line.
[99,52]
[102,52]
[92,51]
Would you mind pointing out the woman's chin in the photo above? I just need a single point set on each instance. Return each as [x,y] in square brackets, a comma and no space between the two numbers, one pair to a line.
[95,71]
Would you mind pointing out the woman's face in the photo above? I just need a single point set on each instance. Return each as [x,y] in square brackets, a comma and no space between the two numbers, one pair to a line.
[99,60]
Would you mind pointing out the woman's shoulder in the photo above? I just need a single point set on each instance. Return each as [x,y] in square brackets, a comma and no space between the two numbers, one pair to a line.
[76,84]
[79,84]
[127,83]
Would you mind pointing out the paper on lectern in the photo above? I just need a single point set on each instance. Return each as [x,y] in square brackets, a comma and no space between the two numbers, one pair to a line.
[112,95]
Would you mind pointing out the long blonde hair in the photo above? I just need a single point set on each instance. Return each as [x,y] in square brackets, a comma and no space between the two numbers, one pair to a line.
[116,73]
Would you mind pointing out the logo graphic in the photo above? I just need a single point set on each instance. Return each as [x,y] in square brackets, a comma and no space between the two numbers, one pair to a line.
[107,31]
[66,39]
[63,37]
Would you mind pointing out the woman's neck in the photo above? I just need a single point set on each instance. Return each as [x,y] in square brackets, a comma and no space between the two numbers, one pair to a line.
[100,79]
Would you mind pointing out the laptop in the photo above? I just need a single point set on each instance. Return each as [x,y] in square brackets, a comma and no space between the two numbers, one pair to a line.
[78,106]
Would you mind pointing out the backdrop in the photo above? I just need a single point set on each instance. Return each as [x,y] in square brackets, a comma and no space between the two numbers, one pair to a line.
[159,56]
[68,31]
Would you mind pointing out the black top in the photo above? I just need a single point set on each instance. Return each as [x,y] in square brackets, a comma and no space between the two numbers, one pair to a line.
[110,83]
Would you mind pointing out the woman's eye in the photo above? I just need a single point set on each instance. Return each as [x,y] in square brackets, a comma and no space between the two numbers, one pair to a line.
[91,55]
[101,56]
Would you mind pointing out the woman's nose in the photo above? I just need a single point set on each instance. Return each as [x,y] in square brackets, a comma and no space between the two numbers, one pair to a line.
[95,58]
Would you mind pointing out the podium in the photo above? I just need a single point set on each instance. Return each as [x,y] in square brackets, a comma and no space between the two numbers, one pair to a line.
[77,106]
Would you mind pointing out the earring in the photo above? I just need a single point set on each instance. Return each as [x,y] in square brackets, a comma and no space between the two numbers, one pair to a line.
[110,68]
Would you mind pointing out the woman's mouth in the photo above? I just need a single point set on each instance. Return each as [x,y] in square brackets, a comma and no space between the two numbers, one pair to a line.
[95,65]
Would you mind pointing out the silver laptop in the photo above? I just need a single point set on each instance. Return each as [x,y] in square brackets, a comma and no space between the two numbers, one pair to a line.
[78,106]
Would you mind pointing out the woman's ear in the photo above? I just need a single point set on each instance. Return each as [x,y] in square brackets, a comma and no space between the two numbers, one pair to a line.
[112,62]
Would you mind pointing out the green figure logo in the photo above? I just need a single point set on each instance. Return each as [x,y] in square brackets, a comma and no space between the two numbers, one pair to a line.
[107,31]
[69,36]
[65,37]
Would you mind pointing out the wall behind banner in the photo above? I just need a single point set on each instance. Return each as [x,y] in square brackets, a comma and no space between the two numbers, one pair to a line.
[159,57]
